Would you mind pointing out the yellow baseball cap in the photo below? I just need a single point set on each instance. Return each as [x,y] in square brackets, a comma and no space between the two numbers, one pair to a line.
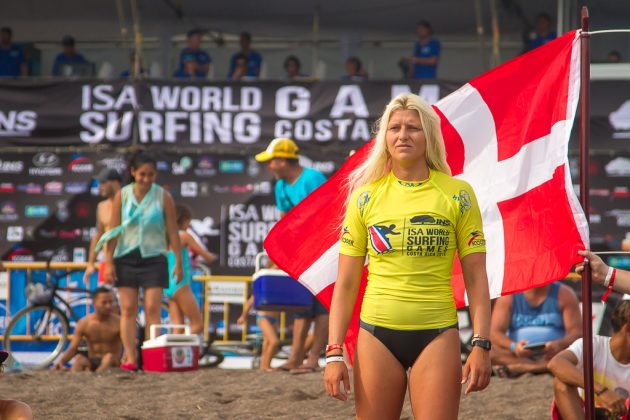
[279,148]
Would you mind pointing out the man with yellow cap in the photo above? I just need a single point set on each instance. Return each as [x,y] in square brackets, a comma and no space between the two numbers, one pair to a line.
[294,183]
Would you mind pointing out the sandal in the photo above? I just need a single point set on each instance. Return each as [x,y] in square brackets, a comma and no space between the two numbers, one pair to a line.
[128,366]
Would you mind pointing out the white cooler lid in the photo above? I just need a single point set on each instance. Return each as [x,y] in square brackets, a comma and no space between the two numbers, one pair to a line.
[270,272]
[170,340]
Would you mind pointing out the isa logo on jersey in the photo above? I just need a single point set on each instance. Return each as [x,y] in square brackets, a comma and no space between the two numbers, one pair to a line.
[379,238]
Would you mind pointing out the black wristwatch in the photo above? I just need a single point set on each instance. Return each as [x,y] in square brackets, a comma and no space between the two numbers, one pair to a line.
[482,343]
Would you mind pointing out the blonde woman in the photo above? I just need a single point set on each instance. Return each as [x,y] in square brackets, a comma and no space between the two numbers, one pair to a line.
[409,216]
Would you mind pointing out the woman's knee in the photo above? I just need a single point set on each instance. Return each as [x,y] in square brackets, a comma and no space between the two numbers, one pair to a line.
[129,309]
[272,342]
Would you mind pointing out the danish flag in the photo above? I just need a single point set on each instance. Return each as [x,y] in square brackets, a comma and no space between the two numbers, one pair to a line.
[506,133]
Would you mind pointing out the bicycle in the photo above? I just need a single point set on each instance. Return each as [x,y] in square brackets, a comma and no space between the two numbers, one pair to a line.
[42,328]
[43,324]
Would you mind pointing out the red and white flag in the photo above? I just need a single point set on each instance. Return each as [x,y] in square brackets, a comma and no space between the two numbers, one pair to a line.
[507,134]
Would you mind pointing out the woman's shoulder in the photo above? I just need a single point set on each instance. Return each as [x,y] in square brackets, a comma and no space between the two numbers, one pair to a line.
[450,183]
[369,188]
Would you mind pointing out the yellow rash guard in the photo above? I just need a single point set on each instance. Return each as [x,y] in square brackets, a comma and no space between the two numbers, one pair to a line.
[410,232]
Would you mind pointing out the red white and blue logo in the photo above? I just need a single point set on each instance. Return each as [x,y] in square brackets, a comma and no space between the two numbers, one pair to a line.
[379,238]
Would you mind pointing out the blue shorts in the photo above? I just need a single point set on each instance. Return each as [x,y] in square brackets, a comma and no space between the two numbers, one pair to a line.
[315,310]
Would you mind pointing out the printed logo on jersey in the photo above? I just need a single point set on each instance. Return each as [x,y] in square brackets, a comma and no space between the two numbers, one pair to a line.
[362,201]
[379,238]
[346,237]
[425,219]
[426,236]
[464,201]
[476,239]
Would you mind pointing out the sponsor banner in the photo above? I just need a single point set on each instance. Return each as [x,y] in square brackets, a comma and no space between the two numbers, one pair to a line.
[226,116]
[231,197]
[229,116]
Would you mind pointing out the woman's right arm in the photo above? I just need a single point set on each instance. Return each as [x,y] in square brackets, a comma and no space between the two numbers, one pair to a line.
[344,297]
[343,300]
[110,272]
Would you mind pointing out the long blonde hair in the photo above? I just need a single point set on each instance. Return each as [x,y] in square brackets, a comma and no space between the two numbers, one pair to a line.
[379,161]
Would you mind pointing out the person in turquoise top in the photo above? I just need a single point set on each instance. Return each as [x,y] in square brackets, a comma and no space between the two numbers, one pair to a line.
[294,183]
[181,300]
[143,223]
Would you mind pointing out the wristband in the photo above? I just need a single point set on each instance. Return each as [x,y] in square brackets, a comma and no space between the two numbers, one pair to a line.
[608,276]
[601,391]
[513,346]
[334,359]
[610,284]
[332,347]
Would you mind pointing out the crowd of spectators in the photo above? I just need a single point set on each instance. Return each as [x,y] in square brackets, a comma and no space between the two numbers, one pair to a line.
[245,65]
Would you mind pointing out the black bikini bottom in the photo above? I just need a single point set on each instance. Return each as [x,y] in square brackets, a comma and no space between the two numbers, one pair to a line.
[405,345]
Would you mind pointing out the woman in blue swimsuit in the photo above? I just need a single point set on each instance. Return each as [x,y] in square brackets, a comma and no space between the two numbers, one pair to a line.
[181,300]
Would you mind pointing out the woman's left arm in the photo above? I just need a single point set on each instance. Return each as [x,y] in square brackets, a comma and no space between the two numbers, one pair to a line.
[170,219]
[477,366]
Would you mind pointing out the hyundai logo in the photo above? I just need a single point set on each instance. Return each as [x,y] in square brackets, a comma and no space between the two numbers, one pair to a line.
[45,159]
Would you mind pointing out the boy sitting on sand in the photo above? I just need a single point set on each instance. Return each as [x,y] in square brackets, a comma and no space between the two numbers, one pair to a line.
[101,330]
[611,371]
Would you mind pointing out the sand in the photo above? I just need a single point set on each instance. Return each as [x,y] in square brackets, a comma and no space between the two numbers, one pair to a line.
[236,394]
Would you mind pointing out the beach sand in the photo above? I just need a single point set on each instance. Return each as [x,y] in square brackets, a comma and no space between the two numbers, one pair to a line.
[236,394]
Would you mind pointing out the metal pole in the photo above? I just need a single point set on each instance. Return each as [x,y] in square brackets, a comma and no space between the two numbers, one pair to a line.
[496,34]
[315,56]
[587,317]
[124,33]
[137,38]
[560,24]
[481,35]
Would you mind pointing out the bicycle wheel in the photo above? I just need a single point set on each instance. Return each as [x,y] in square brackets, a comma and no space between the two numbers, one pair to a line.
[36,336]
[211,358]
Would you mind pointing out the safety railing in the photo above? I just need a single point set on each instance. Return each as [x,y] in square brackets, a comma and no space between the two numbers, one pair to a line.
[29,267]
[226,306]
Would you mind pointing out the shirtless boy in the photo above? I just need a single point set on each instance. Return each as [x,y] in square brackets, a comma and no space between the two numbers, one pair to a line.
[101,330]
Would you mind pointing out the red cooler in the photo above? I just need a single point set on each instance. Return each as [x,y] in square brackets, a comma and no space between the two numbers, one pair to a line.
[170,352]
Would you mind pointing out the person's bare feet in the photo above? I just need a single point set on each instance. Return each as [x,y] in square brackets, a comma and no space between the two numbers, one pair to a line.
[285,367]
[304,369]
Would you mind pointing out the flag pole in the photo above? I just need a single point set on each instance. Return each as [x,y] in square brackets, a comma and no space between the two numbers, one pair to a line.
[585,99]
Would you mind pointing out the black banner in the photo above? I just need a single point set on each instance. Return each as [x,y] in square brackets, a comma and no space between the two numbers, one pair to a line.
[222,116]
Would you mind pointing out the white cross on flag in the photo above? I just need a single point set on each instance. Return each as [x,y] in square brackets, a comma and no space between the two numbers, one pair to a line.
[507,134]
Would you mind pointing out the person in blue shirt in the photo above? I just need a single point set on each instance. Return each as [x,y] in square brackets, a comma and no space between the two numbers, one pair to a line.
[12,61]
[426,53]
[294,183]
[189,69]
[543,33]
[240,69]
[547,316]
[69,55]
[193,61]
[254,59]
